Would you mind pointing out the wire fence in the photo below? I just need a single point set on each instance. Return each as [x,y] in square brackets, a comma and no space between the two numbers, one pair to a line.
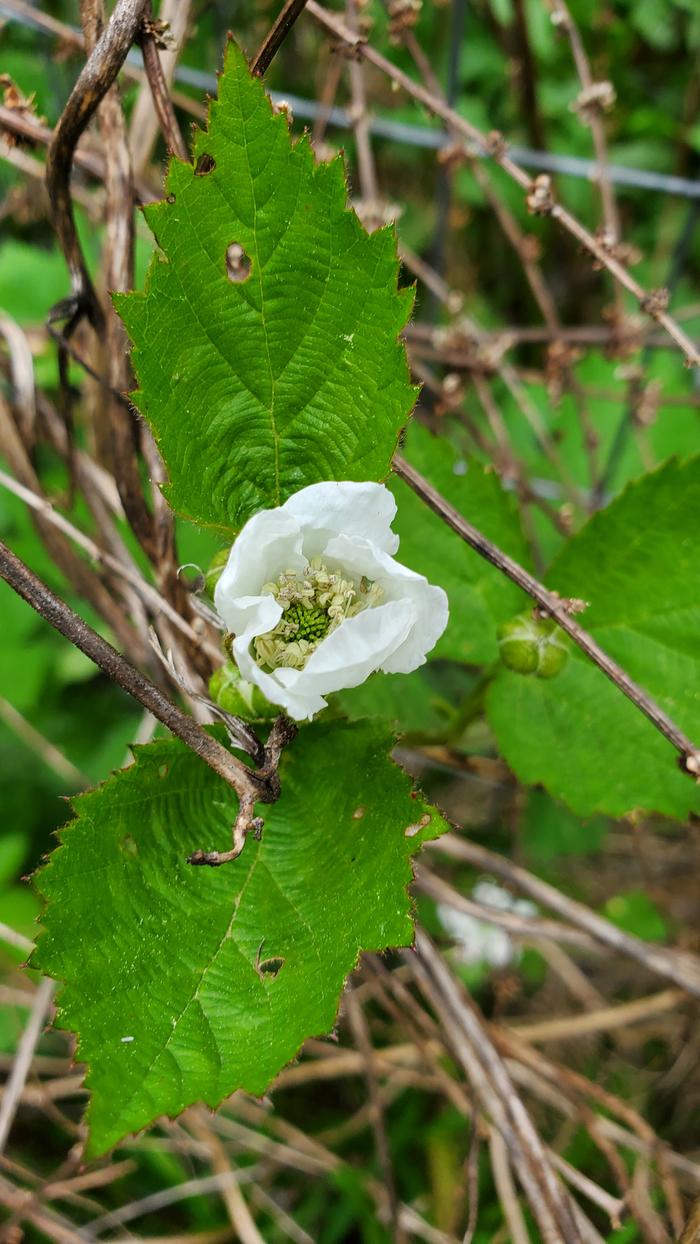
[402,132]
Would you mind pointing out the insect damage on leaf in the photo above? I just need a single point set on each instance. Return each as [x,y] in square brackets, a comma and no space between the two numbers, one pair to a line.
[266,347]
[218,976]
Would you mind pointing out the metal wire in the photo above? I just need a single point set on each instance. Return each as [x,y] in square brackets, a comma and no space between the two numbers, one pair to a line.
[417,135]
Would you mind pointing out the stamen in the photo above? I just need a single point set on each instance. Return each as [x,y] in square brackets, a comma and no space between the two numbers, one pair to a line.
[314,604]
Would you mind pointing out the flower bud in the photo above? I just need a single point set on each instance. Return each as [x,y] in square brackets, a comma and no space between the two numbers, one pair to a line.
[213,574]
[235,695]
[532,645]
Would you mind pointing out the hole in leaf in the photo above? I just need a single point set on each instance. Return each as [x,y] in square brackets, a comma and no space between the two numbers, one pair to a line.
[238,265]
[170,198]
[411,830]
[205,164]
[128,845]
[162,771]
[270,967]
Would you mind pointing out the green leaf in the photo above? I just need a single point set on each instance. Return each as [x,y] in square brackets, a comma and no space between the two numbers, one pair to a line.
[549,831]
[422,703]
[186,983]
[634,912]
[480,596]
[291,373]
[637,564]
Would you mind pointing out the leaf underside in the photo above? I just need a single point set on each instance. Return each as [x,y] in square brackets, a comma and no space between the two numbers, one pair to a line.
[637,565]
[185,983]
[290,373]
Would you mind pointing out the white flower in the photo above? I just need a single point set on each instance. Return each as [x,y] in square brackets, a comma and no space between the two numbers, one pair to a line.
[317,603]
[479,941]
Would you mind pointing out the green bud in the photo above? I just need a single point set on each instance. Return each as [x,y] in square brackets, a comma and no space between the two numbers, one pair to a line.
[213,574]
[239,697]
[532,645]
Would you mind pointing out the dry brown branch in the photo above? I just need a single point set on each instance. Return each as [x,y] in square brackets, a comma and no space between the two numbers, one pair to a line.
[241,1218]
[361,1034]
[23,1058]
[674,965]
[541,203]
[573,1027]
[466,1034]
[290,11]
[553,607]
[93,84]
[42,747]
[75,570]
[251,786]
[159,83]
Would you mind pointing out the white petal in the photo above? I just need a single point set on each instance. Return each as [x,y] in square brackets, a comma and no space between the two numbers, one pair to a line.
[270,542]
[278,690]
[250,615]
[356,649]
[429,603]
[325,510]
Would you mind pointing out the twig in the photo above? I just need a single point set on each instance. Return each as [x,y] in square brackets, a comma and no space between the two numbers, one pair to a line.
[162,102]
[495,147]
[150,596]
[590,108]
[360,124]
[13,938]
[88,584]
[505,1187]
[466,1033]
[550,604]
[115,425]
[241,1218]
[155,1201]
[251,786]
[21,1203]
[276,36]
[361,1034]
[691,1233]
[42,747]
[90,89]
[674,965]
[529,927]
[144,125]
[23,1058]
[604,1020]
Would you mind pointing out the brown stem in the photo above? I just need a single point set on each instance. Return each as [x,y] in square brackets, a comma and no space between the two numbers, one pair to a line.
[93,83]
[552,605]
[250,785]
[115,427]
[276,36]
[162,102]
[495,147]
[468,1036]
[678,966]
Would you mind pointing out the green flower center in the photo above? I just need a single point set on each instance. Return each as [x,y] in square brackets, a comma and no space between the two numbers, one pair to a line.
[314,602]
[311,624]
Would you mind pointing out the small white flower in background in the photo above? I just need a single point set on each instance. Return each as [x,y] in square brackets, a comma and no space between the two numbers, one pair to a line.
[478,941]
[316,601]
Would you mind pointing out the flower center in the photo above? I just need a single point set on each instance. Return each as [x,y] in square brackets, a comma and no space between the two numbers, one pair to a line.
[314,602]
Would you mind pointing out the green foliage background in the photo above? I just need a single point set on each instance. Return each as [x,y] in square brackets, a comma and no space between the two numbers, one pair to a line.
[578,728]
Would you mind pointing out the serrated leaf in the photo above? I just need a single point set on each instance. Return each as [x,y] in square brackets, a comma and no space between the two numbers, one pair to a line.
[291,373]
[637,564]
[186,983]
[480,596]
